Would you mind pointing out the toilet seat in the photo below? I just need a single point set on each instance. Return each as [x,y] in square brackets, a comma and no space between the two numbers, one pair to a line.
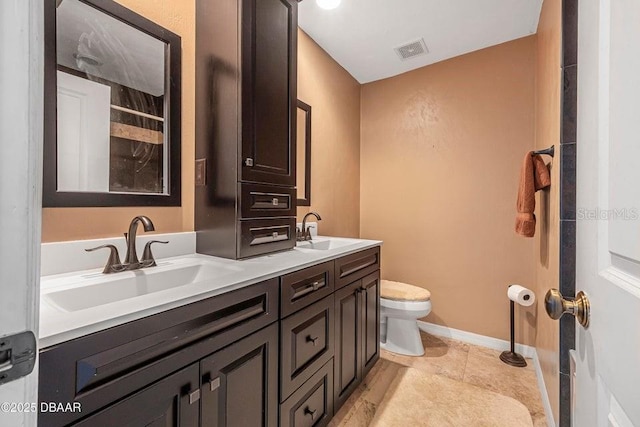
[399,291]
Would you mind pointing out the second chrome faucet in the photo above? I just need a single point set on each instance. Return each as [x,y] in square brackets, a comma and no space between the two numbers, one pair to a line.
[131,261]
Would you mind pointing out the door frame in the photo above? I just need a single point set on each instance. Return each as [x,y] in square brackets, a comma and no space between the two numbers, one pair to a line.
[21,127]
[568,156]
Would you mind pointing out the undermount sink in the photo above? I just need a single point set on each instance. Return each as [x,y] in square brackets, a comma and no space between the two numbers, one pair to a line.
[326,243]
[96,289]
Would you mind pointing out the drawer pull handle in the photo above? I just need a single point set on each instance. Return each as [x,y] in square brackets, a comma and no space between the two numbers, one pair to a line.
[275,201]
[313,340]
[308,411]
[194,396]
[214,384]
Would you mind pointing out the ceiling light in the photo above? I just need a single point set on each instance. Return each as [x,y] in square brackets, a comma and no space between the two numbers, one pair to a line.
[328,4]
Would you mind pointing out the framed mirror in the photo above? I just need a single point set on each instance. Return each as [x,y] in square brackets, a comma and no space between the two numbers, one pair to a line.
[303,154]
[112,107]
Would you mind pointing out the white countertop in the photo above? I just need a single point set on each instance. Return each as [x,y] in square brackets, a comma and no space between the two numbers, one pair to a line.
[58,325]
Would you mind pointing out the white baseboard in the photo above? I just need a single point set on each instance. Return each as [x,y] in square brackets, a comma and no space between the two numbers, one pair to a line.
[495,344]
[471,338]
[546,403]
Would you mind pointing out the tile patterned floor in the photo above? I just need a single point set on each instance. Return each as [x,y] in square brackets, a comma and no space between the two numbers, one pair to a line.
[452,359]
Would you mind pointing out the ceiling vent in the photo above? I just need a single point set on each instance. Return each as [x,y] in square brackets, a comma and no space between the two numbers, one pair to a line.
[411,50]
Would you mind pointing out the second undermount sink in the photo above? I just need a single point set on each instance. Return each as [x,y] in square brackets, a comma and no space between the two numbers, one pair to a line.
[326,243]
[95,289]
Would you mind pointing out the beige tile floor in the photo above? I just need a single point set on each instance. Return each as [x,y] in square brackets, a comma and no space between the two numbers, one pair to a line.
[465,363]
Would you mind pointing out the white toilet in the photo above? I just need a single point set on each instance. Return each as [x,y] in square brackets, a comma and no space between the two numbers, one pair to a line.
[401,305]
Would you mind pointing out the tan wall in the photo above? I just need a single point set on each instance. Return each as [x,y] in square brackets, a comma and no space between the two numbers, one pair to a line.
[60,224]
[334,97]
[441,153]
[547,131]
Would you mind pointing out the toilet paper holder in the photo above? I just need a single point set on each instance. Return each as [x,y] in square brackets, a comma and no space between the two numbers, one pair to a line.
[511,357]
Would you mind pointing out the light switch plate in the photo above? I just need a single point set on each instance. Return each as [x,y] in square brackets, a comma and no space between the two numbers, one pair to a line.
[201,172]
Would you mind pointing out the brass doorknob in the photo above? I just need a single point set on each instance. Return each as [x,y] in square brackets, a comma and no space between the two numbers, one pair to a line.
[556,305]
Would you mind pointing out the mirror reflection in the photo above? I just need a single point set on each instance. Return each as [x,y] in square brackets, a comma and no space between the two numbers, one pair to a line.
[111,81]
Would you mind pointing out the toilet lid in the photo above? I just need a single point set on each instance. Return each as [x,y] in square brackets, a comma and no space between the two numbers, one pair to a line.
[399,291]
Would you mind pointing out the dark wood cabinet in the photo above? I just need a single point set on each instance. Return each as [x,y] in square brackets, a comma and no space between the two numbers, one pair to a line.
[307,344]
[246,53]
[348,348]
[269,100]
[240,382]
[99,369]
[236,359]
[357,334]
[301,288]
[356,266]
[312,404]
[171,402]
[370,319]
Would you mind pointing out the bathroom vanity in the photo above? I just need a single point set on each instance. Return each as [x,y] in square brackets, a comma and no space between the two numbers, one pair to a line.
[275,340]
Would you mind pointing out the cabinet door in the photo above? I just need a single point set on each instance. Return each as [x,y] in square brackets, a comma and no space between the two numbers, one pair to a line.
[173,401]
[348,342]
[370,318]
[240,382]
[269,49]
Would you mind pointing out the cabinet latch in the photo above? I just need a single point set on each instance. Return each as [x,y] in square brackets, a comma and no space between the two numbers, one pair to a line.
[248,161]
[17,356]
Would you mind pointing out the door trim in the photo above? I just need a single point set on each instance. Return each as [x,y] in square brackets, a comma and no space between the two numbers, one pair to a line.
[568,160]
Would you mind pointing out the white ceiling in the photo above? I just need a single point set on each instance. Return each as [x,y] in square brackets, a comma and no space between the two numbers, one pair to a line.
[361,34]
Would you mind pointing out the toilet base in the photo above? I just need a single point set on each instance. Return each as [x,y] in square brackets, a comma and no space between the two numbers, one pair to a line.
[403,337]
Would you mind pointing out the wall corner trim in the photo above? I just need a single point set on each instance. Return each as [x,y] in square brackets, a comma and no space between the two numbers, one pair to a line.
[495,344]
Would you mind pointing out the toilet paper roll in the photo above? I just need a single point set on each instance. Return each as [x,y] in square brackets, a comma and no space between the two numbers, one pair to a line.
[521,295]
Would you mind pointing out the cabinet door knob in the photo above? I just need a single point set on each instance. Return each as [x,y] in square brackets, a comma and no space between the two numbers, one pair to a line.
[308,411]
[248,161]
[194,396]
[214,384]
[313,340]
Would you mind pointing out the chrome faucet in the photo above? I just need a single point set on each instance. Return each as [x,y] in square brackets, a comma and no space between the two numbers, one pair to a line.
[304,234]
[131,261]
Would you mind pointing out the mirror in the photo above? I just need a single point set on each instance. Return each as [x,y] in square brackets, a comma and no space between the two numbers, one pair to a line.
[303,154]
[112,107]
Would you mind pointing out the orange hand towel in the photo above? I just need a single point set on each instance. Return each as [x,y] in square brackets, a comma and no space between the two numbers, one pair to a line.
[534,176]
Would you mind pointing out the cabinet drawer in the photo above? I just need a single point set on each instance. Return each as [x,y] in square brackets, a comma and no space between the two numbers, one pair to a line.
[312,404]
[355,266]
[304,287]
[306,344]
[257,201]
[261,236]
[101,368]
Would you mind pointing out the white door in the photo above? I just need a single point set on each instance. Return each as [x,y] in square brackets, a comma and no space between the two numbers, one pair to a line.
[607,383]
[84,142]
[21,110]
